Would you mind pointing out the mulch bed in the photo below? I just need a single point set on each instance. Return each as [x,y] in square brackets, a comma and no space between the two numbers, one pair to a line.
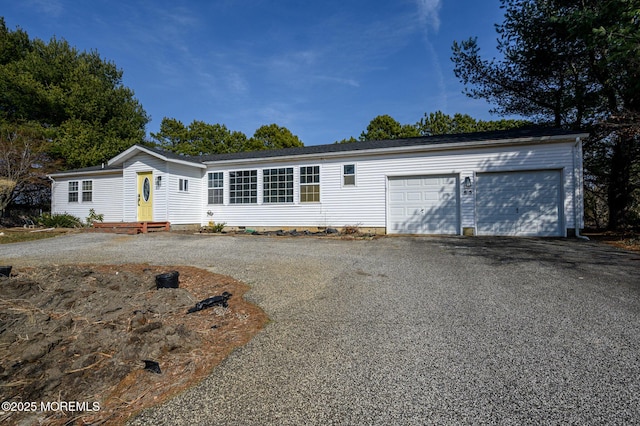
[77,337]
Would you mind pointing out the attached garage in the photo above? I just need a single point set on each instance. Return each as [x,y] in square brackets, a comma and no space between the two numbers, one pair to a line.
[424,205]
[527,203]
[519,182]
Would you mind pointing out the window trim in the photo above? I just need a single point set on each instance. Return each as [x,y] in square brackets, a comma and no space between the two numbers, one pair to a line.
[346,175]
[87,191]
[271,189]
[76,191]
[183,185]
[245,191]
[306,186]
[215,188]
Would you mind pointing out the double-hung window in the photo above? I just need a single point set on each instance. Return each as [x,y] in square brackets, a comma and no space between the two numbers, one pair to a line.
[349,175]
[243,187]
[310,184]
[73,192]
[215,186]
[87,190]
[277,185]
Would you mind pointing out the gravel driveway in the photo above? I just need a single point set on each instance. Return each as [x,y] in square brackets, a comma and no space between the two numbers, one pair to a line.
[405,330]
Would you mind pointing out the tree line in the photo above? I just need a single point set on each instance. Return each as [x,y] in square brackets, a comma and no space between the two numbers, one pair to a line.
[565,63]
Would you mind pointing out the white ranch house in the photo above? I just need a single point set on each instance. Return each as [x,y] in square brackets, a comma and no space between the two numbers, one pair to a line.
[517,183]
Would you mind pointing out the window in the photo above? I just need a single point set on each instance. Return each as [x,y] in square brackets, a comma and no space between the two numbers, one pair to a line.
[73,192]
[183,185]
[310,184]
[216,185]
[87,190]
[349,175]
[243,187]
[277,185]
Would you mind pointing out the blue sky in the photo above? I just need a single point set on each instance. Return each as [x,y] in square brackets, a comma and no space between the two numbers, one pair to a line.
[321,69]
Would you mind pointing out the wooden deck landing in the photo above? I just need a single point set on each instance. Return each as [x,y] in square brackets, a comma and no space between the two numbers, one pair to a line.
[131,228]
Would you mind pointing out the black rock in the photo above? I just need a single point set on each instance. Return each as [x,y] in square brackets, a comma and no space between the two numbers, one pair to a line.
[211,301]
[152,366]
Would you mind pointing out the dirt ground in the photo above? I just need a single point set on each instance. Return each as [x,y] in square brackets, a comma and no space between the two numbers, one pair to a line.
[76,337]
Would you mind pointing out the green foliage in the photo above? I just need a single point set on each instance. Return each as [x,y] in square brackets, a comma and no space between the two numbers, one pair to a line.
[573,63]
[90,116]
[199,138]
[214,227]
[439,123]
[273,136]
[385,127]
[59,220]
[350,140]
[93,217]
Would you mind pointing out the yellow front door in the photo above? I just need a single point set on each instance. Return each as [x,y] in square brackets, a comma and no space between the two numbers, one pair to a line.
[145,197]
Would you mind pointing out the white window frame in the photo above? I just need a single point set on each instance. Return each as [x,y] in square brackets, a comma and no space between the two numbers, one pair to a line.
[215,186]
[277,185]
[87,191]
[183,185]
[309,184]
[243,186]
[74,192]
[346,175]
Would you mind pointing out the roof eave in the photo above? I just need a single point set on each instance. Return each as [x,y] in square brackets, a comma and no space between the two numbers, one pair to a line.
[408,149]
[125,155]
[72,173]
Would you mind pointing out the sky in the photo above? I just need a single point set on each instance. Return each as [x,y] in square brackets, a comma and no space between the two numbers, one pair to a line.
[322,69]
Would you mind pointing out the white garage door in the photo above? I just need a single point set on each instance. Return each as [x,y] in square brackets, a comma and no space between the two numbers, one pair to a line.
[519,203]
[423,205]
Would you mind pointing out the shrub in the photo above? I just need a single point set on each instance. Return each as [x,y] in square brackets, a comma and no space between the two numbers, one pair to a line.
[351,229]
[214,227]
[94,217]
[59,220]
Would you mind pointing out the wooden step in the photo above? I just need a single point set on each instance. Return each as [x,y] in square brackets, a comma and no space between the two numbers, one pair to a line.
[131,227]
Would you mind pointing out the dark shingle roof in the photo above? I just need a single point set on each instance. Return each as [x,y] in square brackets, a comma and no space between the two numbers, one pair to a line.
[392,143]
[88,170]
[525,133]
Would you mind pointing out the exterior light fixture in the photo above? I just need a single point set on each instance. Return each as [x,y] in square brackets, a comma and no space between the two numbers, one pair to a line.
[467,185]
[158,181]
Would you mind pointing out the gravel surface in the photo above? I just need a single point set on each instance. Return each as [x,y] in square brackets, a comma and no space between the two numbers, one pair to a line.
[404,330]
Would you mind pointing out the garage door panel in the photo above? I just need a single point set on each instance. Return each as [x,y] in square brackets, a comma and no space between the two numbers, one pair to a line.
[429,205]
[519,203]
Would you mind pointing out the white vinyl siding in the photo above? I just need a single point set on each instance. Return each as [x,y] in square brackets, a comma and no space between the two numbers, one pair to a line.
[184,205]
[322,194]
[147,163]
[106,196]
[366,204]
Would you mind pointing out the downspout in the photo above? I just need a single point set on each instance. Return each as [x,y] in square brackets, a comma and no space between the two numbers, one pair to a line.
[53,182]
[578,185]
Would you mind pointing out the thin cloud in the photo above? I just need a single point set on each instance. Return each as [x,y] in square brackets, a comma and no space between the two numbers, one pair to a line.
[48,7]
[429,13]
